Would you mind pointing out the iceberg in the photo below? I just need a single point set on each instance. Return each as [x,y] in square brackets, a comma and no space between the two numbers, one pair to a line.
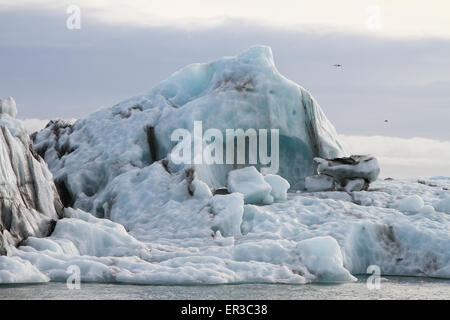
[133,215]
[242,92]
[29,201]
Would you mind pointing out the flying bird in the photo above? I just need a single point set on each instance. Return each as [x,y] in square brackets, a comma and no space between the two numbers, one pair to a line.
[337,65]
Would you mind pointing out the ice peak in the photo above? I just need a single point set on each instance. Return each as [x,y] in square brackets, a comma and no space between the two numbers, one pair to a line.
[8,106]
[258,55]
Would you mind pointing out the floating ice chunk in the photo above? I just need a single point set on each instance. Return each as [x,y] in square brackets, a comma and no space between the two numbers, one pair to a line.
[250,183]
[279,186]
[443,205]
[8,106]
[16,270]
[323,258]
[320,182]
[341,169]
[228,210]
[412,204]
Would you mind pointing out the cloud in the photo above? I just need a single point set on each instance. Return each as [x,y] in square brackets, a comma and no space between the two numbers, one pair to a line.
[400,17]
[402,157]
[53,72]
[33,125]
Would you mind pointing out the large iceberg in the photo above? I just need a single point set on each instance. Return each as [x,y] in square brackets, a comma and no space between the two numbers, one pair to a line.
[139,217]
[29,202]
[243,92]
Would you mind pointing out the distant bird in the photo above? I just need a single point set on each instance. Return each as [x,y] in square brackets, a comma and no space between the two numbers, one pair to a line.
[337,65]
[385,121]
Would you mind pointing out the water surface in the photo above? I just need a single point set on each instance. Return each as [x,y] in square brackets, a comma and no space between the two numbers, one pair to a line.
[391,288]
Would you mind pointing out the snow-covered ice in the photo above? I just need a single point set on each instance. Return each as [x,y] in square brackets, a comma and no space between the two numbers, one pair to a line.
[223,240]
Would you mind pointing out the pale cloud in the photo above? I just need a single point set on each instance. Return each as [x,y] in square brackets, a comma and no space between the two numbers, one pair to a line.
[33,125]
[403,157]
[397,18]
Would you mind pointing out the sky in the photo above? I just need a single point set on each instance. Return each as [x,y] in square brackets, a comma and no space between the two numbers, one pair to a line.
[395,57]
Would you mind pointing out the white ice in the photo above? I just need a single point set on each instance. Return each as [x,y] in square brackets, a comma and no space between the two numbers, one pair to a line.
[223,240]
[320,182]
[279,185]
[28,196]
[17,270]
[250,183]
[8,106]
[323,258]
[228,210]
[175,232]
[443,205]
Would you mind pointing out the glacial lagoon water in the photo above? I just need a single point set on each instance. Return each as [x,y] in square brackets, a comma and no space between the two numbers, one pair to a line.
[390,288]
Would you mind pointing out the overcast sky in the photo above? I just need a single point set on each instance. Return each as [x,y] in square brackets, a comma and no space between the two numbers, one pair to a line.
[395,56]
